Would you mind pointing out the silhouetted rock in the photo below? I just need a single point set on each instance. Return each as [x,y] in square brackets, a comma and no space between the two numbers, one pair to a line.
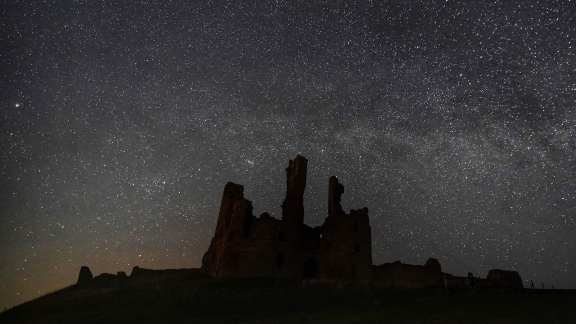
[85,276]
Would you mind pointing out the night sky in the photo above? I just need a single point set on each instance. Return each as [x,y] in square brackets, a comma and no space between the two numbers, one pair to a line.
[454,122]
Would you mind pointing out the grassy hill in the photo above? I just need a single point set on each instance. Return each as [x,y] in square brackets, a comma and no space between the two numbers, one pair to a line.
[198,299]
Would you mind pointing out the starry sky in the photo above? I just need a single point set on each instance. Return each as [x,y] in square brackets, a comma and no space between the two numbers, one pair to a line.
[454,122]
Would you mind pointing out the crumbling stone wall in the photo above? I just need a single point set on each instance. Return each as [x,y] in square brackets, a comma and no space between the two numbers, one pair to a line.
[504,279]
[346,247]
[400,275]
[339,250]
[246,246]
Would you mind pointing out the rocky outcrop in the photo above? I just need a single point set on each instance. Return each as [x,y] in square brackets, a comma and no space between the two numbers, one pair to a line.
[85,276]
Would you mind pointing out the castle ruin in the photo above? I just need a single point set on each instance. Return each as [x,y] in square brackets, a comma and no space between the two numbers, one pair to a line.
[339,250]
[249,246]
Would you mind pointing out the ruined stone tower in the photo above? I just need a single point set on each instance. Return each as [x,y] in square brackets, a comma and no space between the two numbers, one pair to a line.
[248,246]
[346,250]
[293,205]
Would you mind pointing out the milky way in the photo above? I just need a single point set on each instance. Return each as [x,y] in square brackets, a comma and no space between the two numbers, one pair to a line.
[454,122]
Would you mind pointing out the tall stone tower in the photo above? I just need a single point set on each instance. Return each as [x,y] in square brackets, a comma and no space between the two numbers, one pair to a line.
[234,225]
[293,205]
[346,246]
[335,191]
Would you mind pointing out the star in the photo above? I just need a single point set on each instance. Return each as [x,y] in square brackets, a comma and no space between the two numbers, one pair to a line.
[452,121]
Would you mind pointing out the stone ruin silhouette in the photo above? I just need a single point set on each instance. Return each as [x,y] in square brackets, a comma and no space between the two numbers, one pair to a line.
[337,253]
[249,246]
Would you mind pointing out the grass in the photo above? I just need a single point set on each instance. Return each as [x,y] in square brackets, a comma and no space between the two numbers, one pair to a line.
[271,301]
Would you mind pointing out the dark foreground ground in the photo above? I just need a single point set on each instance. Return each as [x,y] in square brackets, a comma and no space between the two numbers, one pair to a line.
[268,301]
